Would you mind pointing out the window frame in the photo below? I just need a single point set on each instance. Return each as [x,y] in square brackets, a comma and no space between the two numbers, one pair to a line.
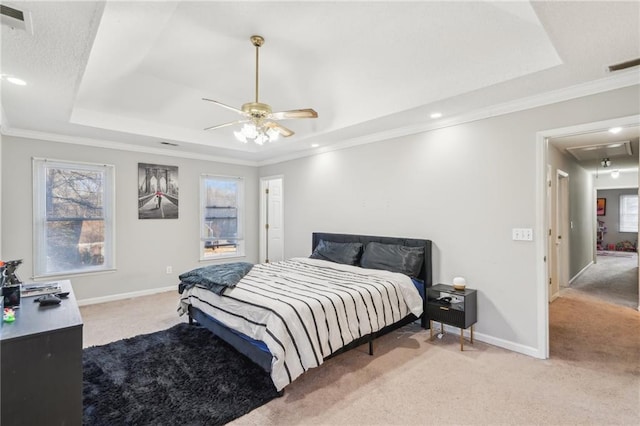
[240,201]
[39,219]
[624,225]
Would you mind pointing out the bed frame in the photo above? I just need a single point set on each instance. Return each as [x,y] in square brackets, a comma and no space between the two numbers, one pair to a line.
[263,358]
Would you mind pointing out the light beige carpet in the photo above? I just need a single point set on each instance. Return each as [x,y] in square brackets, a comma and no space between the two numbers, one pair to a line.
[414,381]
[593,334]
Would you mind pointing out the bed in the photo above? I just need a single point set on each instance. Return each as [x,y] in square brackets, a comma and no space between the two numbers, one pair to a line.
[290,316]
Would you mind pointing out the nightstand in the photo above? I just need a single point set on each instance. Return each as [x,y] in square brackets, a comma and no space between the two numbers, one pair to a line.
[460,311]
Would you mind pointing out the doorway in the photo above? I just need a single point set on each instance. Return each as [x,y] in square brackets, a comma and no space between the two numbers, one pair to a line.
[547,215]
[271,219]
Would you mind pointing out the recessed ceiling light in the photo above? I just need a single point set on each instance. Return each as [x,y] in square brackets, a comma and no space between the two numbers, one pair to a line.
[17,81]
[315,145]
[615,130]
[436,115]
[615,174]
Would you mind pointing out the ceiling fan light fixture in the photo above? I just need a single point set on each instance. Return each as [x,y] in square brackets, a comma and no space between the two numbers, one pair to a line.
[249,131]
[261,123]
[240,136]
[261,139]
[605,162]
[256,133]
[273,135]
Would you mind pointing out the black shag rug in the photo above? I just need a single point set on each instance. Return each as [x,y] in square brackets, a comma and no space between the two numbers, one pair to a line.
[184,375]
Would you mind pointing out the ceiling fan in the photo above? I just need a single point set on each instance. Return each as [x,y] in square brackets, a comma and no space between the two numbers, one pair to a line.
[258,118]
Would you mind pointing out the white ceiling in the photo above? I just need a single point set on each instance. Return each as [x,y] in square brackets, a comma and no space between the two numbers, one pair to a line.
[589,149]
[132,74]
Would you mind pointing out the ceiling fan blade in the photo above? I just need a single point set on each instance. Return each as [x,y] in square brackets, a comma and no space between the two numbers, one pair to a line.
[231,123]
[224,105]
[281,129]
[296,113]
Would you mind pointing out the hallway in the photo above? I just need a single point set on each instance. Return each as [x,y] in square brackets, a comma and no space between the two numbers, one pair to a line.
[595,322]
[613,278]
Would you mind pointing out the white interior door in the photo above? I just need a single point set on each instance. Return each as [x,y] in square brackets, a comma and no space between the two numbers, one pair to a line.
[272,219]
[551,250]
[562,232]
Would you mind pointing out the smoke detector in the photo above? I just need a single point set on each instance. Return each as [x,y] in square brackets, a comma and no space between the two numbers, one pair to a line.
[16,19]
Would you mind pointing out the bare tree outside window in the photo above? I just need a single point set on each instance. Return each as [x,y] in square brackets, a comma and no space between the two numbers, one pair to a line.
[74,233]
[75,222]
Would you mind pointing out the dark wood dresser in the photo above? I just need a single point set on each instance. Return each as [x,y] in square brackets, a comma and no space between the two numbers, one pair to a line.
[41,364]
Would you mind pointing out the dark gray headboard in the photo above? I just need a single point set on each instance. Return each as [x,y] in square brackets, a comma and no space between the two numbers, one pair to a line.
[425,273]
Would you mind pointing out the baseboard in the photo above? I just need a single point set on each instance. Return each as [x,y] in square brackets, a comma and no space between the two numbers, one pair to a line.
[495,341]
[121,296]
[580,272]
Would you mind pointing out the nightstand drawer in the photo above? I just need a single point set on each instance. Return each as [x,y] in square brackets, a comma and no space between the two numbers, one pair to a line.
[446,314]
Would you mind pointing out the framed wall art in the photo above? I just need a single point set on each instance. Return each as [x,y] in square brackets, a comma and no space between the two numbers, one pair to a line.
[601,207]
[157,191]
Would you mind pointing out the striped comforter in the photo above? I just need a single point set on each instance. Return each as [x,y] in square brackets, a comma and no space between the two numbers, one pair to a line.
[306,309]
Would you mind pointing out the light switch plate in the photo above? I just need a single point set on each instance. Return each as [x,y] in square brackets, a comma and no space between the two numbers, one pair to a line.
[522,234]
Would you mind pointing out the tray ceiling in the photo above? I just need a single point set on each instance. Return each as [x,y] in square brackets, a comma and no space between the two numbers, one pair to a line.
[132,74]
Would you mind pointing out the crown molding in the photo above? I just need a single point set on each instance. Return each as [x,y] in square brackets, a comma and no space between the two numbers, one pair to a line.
[619,81]
[53,137]
[596,126]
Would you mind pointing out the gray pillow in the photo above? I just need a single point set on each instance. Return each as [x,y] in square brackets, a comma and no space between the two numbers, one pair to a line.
[346,253]
[393,257]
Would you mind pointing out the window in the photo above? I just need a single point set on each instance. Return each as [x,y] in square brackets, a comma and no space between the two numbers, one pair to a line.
[73,217]
[222,208]
[628,213]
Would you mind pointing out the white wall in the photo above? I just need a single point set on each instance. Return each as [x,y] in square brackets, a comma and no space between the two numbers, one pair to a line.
[581,209]
[627,179]
[143,247]
[464,187]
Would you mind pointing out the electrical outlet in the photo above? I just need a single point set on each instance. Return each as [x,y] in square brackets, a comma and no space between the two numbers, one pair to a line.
[169,269]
